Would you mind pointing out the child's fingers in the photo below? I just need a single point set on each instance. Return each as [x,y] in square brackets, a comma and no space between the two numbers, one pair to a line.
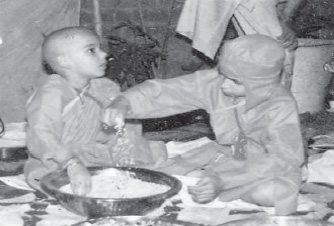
[202,190]
[197,189]
[203,198]
[82,186]
[202,185]
[106,116]
[110,116]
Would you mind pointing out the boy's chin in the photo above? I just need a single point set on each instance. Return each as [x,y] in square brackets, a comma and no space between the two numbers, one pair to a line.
[99,75]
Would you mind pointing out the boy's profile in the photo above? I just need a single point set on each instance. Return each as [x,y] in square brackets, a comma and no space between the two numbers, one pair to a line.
[65,114]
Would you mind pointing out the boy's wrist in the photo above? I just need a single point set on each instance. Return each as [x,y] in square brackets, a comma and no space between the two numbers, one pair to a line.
[121,105]
[72,162]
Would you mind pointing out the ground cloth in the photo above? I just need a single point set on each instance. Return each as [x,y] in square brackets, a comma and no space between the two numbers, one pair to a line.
[21,206]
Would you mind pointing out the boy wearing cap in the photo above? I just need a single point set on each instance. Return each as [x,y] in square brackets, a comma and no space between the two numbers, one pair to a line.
[254,117]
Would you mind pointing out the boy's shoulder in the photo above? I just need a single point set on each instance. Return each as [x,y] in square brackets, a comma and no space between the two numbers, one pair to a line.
[53,86]
[53,83]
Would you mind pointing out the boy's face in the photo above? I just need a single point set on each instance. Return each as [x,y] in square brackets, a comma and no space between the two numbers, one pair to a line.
[85,58]
[232,87]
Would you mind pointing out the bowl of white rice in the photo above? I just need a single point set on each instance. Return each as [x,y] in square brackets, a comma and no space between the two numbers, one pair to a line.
[116,191]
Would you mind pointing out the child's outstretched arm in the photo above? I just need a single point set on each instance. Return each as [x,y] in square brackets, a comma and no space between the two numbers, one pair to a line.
[164,97]
[116,112]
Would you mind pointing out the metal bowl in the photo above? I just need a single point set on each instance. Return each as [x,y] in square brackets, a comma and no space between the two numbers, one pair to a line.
[278,221]
[102,207]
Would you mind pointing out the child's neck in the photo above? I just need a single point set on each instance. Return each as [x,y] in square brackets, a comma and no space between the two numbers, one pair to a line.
[78,83]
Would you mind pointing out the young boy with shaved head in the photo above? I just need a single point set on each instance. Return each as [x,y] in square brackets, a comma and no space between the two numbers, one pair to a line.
[65,115]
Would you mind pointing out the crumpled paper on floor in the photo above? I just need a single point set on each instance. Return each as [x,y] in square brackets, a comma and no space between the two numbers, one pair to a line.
[12,215]
[320,170]
[175,148]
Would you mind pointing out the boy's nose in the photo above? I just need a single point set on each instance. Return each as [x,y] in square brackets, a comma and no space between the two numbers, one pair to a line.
[103,55]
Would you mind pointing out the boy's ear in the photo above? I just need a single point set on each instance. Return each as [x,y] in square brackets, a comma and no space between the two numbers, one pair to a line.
[63,61]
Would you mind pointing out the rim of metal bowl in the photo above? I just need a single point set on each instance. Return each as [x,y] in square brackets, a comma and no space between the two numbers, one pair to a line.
[51,189]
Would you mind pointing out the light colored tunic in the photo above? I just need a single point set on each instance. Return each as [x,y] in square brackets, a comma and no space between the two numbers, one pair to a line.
[64,123]
[274,147]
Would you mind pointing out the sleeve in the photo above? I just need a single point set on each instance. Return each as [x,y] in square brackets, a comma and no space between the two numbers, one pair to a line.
[44,116]
[160,98]
[284,151]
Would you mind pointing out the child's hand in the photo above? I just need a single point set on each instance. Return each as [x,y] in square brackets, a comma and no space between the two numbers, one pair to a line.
[289,38]
[116,112]
[206,190]
[113,117]
[80,179]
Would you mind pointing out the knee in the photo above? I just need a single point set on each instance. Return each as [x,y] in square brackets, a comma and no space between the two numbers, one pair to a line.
[33,175]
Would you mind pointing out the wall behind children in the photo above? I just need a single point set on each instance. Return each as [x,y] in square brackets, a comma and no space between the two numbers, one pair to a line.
[23,24]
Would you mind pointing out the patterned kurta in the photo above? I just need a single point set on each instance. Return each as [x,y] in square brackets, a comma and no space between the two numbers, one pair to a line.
[64,123]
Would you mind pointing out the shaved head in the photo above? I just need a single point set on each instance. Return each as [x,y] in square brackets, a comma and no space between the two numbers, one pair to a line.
[57,42]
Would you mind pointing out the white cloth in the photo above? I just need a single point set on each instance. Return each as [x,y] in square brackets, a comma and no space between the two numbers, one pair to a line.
[175,148]
[320,170]
[17,181]
[205,21]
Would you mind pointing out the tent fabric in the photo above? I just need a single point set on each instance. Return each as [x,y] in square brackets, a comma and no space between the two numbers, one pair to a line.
[23,25]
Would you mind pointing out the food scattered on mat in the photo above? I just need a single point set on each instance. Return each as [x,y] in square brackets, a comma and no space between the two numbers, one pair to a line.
[120,185]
